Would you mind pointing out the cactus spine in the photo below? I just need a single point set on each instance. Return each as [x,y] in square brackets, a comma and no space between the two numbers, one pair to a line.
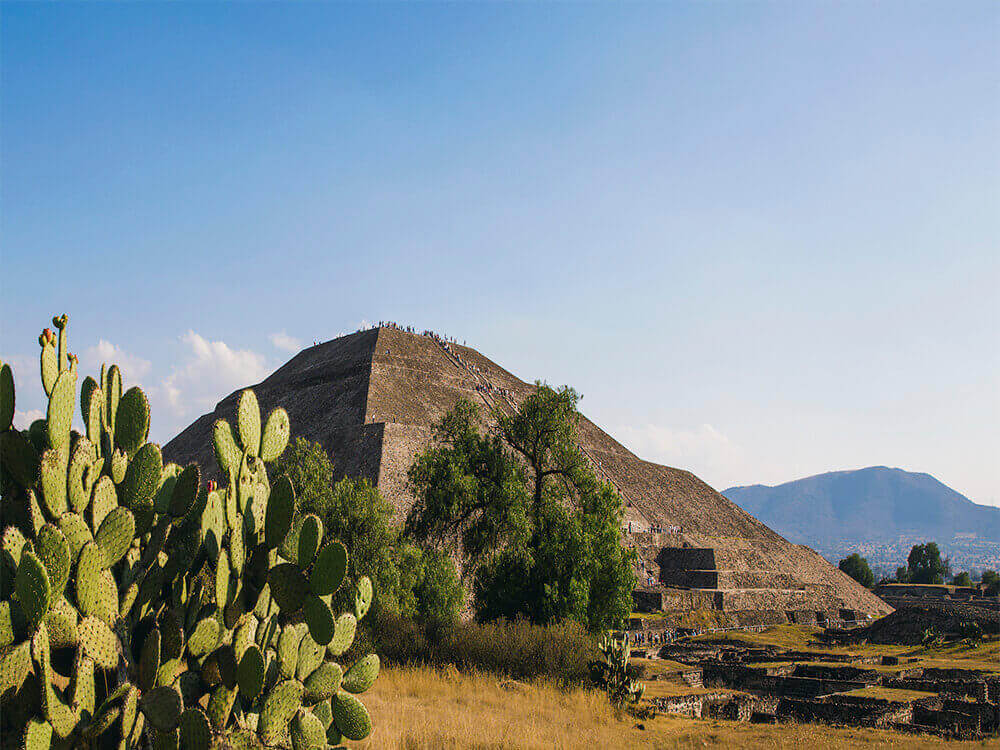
[142,607]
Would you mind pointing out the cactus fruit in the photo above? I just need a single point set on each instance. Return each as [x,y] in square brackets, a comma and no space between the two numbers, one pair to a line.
[104,562]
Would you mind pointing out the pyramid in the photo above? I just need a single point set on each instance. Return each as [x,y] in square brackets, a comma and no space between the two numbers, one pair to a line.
[371,397]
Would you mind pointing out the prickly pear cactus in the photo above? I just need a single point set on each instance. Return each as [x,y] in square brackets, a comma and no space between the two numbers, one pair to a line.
[612,672]
[139,607]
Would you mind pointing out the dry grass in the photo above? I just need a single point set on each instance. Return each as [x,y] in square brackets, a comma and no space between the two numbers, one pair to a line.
[420,708]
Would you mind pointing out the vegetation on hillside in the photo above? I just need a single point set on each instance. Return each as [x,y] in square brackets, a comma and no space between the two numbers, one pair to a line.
[924,565]
[541,537]
[857,568]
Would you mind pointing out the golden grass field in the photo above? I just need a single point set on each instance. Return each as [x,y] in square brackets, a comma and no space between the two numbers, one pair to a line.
[421,707]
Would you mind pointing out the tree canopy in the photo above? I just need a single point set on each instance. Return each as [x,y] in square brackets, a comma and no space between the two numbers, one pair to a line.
[540,535]
[857,568]
[924,564]
[962,579]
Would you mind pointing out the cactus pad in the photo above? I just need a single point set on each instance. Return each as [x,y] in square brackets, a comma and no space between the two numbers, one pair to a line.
[280,509]
[204,638]
[362,674]
[37,735]
[6,397]
[98,642]
[81,459]
[227,454]
[60,411]
[114,537]
[162,706]
[275,436]
[142,477]
[248,422]
[279,708]
[310,536]
[53,474]
[61,622]
[250,672]
[20,457]
[196,733]
[185,491]
[84,689]
[104,499]
[33,587]
[307,731]
[15,663]
[132,421]
[319,618]
[149,660]
[351,716]
[324,681]
[119,465]
[363,597]
[310,656]
[288,586]
[343,635]
[220,705]
[76,531]
[54,552]
[88,578]
[329,569]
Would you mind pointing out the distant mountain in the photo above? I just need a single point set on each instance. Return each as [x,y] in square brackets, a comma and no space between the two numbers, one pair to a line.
[844,509]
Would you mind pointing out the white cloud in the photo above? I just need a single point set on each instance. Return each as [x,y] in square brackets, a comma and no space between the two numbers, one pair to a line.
[23,419]
[133,368]
[282,340]
[704,450]
[211,371]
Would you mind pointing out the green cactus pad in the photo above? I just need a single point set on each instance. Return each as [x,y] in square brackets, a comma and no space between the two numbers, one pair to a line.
[310,656]
[76,531]
[275,437]
[19,457]
[107,605]
[279,708]
[50,366]
[115,535]
[310,536]
[52,469]
[329,570]
[324,681]
[6,397]
[98,642]
[307,731]
[54,552]
[196,732]
[288,586]
[250,673]
[220,705]
[243,636]
[33,587]
[319,618]
[166,740]
[132,421]
[351,716]
[227,453]
[81,459]
[84,689]
[104,499]
[113,393]
[363,597]
[15,663]
[8,623]
[142,477]
[324,713]
[88,578]
[61,622]
[185,491]
[149,660]
[37,735]
[288,649]
[280,509]
[168,479]
[169,671]
[343,635]
[222,590]
[119,465]
[248,422]
[362,674]
[204,638]
[13,545]
[91,406]
[162,706]
[59,417]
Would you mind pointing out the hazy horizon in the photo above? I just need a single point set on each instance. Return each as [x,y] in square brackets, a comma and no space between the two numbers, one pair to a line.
[761,239]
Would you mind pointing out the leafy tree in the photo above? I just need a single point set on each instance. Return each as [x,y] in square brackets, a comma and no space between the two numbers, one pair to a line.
[992,579]
[355,512]
[540,535]
[962,579]
[924,564]
[902,575]
[857,568]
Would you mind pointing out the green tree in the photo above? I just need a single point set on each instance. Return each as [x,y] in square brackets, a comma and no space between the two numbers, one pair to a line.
[540,535]
[962,579]
[355,512]
[857,568]
[992,579]
[924,564]
[902,574]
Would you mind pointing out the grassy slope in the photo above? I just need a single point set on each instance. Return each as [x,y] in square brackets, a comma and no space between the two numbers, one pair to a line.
[419,707]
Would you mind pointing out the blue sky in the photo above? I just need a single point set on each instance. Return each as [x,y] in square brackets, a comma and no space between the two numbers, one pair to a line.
[761,238]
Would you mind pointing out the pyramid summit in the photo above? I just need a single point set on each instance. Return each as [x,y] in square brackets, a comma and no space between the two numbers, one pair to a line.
[371,398]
